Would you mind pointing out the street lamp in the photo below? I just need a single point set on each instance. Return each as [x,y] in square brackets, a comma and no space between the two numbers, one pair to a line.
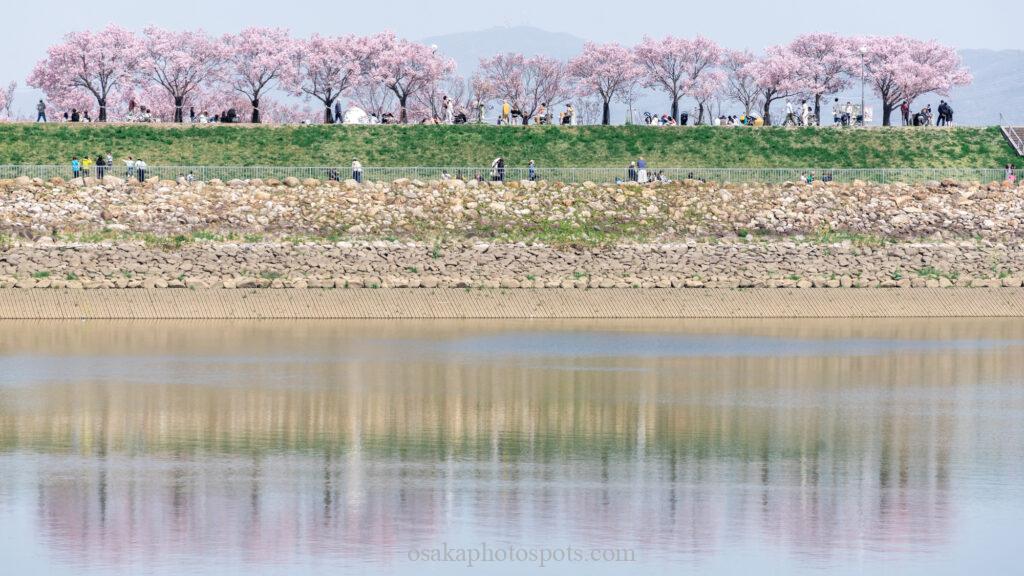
[863,69]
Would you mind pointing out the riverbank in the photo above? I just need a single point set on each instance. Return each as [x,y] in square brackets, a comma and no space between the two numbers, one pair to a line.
[721,263]
[496,303]
[477,145]
[298,249]
[546,212]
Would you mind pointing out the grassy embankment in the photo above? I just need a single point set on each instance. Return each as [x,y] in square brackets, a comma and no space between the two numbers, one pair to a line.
[584,146]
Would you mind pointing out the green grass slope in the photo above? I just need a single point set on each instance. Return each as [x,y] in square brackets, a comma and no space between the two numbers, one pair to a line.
[583,146]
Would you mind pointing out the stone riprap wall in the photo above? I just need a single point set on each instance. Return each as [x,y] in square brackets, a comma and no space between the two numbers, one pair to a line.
[725,264]
[403,208]
[313,234]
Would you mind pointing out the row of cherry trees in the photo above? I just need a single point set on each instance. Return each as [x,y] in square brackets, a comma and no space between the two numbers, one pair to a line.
[167,71]
[812,66]
[160,69]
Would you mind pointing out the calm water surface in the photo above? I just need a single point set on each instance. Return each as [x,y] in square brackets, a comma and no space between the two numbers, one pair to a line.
[363,448]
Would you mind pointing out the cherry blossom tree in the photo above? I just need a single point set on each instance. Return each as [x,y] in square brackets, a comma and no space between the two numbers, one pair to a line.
[429,103]
[604,70]
[526,82]
[708,87]
[777,77]
[94,62]
[373,98]
[80,100]
[180,62]
[676,64]
[590,109]
[256,59]
[328,67]
[899,68]
[825,62]
[406,68]
[741,85]
[288,113]
[7,99]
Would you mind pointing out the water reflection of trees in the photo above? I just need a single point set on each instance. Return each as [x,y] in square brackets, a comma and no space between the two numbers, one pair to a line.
[820,456]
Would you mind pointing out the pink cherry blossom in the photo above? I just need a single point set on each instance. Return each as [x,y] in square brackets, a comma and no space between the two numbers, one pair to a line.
[404,67]
[255,61]
[825,63]
[7,99]
[180,62]
[328,67]
[777,76]
[740,84]
[429,103]
[94,62]
[676,64]
[605,70]
[708,86]
[900,69]
[374,98]
[525,82]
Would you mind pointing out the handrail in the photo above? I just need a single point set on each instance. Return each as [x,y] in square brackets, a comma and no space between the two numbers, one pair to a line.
[1014,138]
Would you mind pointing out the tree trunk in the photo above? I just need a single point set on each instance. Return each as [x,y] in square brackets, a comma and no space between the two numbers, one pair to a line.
[817,109]
[103,110]
[328,115]
[675,109]
[255,110]
[179,101]
[767,113]
[403,117]
[887,109]
[700,113]
[606,114]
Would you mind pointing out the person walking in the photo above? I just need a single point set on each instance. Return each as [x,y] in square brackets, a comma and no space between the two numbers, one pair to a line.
[76,167]
[449,110]
[140,169]
[41,111]
[86,166]
[1011,173]
[532,171]
[101,167]
[506,112]
[837,113]
[498,169]
[805,113]
[905,112]
[631,172]
[791,119]
[357,170]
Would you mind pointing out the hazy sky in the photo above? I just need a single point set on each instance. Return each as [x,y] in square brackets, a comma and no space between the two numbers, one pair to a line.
[32,26]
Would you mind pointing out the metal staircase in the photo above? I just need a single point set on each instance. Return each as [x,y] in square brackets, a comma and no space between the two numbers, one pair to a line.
[1015,136]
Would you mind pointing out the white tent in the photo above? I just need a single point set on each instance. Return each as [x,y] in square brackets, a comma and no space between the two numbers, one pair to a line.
[356,115]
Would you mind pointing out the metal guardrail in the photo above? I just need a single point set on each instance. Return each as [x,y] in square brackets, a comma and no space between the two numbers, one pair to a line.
[551,174]
[1015,136]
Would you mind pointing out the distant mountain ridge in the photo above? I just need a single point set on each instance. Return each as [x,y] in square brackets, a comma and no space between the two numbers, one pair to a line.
[995,97]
